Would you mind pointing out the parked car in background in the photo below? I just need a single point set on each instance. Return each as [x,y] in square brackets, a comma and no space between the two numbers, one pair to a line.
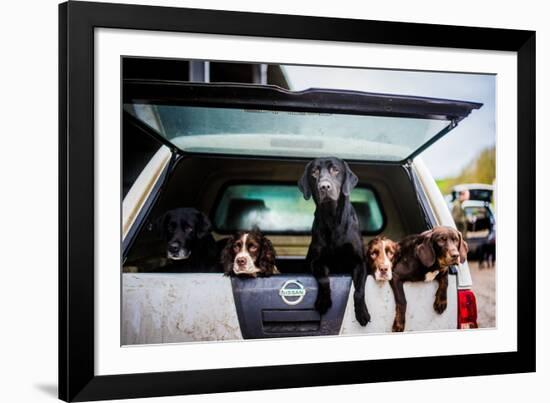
[481,226]
[235,153]
[481,229]
[478,191]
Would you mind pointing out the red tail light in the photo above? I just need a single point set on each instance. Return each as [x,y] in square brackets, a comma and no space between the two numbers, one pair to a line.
[467,309]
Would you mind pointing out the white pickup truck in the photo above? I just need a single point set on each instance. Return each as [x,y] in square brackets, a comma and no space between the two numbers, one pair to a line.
[235,152]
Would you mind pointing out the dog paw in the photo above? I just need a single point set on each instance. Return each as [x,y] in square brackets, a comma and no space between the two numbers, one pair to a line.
[440,305]
[398,327]
[323,304]
[362,315]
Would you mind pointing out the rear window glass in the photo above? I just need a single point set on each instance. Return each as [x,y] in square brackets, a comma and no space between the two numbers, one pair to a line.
[289,134]
[282,209]
[477,194]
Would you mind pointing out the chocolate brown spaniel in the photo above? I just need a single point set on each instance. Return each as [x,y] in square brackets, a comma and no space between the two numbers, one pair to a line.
[426,257]
[249,254]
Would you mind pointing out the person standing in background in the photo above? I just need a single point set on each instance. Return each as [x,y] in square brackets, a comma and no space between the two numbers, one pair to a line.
[459,216]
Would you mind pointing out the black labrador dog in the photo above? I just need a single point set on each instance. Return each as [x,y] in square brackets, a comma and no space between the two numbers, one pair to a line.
[187,240]
[336,244]
[426,257]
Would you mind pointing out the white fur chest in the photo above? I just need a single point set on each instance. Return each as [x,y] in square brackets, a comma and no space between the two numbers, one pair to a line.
[430,276]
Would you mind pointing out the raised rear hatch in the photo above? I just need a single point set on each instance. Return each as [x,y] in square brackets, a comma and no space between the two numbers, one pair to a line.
[241,119]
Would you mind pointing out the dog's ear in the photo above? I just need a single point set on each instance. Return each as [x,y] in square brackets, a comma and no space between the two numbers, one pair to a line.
[158,225]
[266,259]
[350,180]
[462,247]
[396,251]
[425,251]
[227,257]
[370,245]
[203,226]
[303,183]
[368,260]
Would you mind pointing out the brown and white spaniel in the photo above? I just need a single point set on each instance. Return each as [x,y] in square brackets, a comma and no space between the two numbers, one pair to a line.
[426,257]
[249,254]
[381,255]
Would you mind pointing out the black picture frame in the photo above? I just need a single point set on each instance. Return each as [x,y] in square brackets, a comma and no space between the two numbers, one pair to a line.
[77,20]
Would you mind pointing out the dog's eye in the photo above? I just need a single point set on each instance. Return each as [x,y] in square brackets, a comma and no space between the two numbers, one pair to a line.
[252,248]
[334,171]
[315,173]
[374,254]
[389,253]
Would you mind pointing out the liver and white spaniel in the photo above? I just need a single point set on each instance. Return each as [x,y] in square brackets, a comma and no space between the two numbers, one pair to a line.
[381,254]
[249,254]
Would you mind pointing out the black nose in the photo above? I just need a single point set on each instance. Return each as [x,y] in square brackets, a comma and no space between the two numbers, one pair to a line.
[324,186]
[174,247]
[241,261]
[383,270]
[455,255]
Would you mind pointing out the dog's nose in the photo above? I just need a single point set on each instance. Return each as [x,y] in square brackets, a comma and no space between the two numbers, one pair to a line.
[325,186]
[455,255]
[241,261]
[383,270]
[174,247]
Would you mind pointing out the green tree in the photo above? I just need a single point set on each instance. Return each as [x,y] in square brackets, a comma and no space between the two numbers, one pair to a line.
[482,169]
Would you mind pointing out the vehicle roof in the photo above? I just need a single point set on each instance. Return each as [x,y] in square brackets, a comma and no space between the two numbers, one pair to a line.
[475,203]
[469,186]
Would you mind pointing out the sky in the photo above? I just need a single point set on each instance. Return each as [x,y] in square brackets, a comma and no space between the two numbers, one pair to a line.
[448,156]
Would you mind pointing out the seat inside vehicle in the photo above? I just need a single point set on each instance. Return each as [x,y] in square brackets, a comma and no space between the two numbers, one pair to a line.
[237,192]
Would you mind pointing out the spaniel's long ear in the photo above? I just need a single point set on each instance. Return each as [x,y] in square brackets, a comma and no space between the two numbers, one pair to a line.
[462,247]
[396,252]
[227,257]
[350,180]
[266,259]
[303,183]
[369,245]
[425,251]
[368,251]
[203,226]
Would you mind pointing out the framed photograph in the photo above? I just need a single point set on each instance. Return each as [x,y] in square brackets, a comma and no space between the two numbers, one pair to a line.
[257,201]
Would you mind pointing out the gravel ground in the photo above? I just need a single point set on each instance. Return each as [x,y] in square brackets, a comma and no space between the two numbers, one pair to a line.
[484,289]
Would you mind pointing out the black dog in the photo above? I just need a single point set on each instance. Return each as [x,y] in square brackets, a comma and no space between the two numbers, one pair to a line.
[336,244]
[426,257]
[188,241]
